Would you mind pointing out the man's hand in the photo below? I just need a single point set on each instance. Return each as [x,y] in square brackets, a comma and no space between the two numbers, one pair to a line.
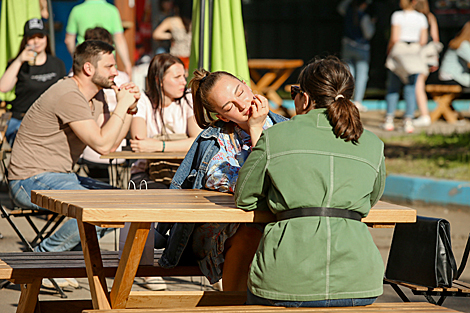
[129,93]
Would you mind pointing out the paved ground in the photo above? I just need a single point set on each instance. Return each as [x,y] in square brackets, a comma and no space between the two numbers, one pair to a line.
[459,219]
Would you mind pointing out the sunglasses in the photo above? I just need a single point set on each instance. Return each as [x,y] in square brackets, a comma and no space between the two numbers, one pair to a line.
[294,90]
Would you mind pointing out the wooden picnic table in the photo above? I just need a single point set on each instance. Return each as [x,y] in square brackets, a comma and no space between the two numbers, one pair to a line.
[131,155]
[112,208]
[277,72]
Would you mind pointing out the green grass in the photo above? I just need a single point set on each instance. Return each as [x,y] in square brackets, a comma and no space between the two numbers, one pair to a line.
[434,156]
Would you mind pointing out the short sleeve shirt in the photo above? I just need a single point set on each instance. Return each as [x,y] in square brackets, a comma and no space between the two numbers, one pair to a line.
[411,24]
[45,142]
[93,13]
[33,81]
[175,117]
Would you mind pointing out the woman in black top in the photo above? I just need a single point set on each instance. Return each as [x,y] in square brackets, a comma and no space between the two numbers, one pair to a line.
[32,72]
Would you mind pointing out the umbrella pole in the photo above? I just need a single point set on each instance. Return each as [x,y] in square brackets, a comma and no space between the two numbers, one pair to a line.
[201,34]
[51,27]
[211,16]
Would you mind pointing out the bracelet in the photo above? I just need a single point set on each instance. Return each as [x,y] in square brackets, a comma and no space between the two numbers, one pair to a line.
[133,111]
[119,117]
[163,147]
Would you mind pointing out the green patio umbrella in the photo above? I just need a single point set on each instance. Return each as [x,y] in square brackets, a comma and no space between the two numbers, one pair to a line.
[218,40]
[14,14]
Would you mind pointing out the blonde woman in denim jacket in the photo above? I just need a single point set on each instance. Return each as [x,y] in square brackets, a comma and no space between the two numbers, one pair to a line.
[233,118]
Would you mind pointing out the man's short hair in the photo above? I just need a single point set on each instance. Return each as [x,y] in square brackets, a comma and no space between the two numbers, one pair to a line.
[99,33]
[89,51]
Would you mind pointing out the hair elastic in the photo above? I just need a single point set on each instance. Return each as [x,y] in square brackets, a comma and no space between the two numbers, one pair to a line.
[203,79]
[338,96]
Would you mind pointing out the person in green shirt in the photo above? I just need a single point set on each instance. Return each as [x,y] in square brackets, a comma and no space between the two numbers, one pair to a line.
[320,173]
[90,14]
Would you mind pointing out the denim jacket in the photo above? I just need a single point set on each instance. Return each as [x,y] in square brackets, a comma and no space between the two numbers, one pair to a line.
[191,175]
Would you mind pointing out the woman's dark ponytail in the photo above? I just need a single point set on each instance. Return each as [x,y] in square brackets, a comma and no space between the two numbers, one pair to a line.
[345,119]
[330,85]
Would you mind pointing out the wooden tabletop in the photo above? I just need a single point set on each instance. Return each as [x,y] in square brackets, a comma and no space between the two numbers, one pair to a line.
[274,63]
[114,207]
[130,155]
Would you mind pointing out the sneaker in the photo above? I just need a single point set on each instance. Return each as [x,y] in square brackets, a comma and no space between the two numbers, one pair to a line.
[154,283]
[360,106]
[60,281]
[218,285]
[388,125]
[73,282]
[408,126]
[422,121]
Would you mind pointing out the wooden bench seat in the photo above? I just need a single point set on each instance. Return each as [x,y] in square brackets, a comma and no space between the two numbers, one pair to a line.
[29,268]
[24,267]
[215,301]
[376,307]
[443,95]
[458,289]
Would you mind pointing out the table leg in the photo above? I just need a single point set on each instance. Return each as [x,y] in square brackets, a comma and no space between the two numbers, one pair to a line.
[272,95]
[282,75]
[255,75]
[29,296]
[444,108]
[111,180]
[270,83]
[265,81]
[94,266]
[130,258]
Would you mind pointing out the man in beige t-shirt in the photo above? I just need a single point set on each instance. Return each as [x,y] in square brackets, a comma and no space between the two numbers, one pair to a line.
[58,127]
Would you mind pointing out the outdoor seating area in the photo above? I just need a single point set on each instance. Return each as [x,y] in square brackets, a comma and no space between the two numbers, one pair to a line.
[234,156]
[21,268]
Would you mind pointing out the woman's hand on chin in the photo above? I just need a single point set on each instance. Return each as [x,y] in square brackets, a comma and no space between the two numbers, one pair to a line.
[257,119]
[259,111]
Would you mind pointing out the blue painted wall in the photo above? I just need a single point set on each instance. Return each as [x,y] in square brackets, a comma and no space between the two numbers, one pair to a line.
[443,192]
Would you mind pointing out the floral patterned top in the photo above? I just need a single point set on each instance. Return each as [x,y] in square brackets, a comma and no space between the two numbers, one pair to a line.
[223,169]
[209,238]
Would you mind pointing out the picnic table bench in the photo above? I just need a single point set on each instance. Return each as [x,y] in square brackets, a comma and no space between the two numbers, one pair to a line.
[376,307]
[29,268]
[458,289]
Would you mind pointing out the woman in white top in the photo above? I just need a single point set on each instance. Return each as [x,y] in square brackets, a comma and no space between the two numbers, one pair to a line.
[408,35]
[165,108]
[434,44]
[456,61]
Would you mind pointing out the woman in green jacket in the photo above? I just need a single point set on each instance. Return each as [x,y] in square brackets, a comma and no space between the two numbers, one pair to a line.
[320,173]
